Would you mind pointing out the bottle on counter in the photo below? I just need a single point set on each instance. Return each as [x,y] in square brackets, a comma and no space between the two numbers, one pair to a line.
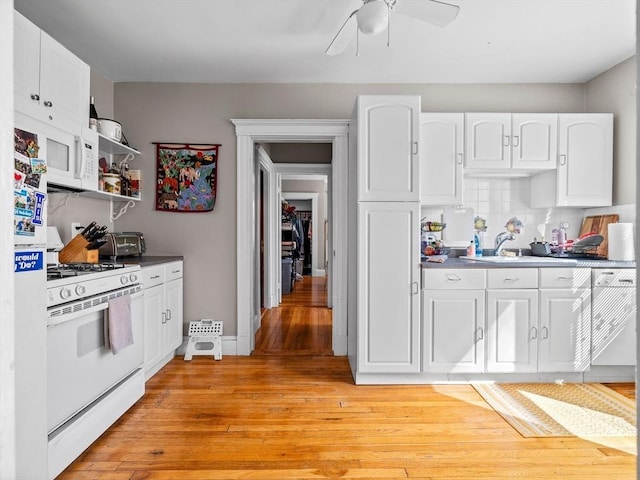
[477,245]
[93,114]
[471,249]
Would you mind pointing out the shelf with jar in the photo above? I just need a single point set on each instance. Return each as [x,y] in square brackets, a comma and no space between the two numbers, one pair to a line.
[116,181]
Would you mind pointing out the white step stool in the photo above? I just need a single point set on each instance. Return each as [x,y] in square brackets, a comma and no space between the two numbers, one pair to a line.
[205,338]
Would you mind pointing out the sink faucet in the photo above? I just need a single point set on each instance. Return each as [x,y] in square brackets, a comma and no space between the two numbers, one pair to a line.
[501,238]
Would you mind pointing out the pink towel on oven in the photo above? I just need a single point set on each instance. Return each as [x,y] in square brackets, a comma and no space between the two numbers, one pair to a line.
[120,328]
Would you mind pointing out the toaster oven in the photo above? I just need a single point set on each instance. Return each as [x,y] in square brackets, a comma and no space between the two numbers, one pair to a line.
[123,244]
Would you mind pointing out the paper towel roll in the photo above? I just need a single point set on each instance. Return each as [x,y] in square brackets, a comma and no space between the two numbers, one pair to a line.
[621,242]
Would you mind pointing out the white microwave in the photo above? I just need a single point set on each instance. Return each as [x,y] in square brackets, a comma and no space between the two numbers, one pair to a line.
[72,161]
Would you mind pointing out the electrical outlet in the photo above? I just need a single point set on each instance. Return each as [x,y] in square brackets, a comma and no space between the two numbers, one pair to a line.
[76,228]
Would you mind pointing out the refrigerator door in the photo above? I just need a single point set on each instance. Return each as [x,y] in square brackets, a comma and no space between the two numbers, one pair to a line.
[31,362]
[30,186]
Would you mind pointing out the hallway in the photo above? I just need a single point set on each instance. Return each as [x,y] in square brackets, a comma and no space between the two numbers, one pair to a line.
[301,325]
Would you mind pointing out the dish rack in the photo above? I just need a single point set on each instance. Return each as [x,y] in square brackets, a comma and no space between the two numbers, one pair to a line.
[205,338]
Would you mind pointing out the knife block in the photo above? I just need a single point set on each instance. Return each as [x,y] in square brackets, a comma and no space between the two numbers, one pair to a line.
[76,252]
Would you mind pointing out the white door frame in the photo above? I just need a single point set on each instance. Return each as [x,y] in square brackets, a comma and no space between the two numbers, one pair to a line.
[248,133]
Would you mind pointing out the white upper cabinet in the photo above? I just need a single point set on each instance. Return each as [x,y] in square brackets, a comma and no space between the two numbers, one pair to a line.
[488,140]
[534,140]
[584,177]
[51,84]
[585,167]
[388,137]
[441,158]
[502,141]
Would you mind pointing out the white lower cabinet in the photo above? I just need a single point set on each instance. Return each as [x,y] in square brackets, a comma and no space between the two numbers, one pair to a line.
[512,320]
[453,309]
[535,321]
[565,320]
[388,287]
[163,314]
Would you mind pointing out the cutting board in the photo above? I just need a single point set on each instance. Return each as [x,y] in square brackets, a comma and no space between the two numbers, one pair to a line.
[599,224]
[459,229]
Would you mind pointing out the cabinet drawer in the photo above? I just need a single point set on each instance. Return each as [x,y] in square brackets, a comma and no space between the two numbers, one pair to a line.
[172,271]
[512,278]
[565,277]
[453,279]
[613,277]
[153,276]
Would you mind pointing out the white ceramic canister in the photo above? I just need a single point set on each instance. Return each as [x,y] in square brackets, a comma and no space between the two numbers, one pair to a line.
[111,183]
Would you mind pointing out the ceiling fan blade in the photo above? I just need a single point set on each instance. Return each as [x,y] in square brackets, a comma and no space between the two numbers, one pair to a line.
[430,11]
[344,36]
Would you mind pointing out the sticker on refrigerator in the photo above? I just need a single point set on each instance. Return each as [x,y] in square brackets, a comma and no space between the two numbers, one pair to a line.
[25,261]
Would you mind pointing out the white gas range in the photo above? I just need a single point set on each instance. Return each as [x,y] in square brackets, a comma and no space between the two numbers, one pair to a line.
[88,385]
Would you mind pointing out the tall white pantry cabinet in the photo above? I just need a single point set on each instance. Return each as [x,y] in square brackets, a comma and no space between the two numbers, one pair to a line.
[384,242]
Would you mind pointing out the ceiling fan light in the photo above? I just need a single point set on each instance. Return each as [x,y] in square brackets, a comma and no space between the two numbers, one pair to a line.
[373,17]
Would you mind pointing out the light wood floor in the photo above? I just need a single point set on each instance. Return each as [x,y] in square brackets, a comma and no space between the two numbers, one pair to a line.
[286,417]
[301,325]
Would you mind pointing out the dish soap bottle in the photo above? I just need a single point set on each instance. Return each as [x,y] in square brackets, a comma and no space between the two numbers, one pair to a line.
[478,247]
[471,249]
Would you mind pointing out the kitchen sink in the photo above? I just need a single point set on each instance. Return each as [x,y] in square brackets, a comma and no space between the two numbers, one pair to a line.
[524,259]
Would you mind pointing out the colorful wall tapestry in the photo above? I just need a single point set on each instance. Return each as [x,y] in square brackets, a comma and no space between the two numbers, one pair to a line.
[187,177]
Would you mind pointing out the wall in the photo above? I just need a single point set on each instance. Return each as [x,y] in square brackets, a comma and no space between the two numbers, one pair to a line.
[152,112]
[615,91]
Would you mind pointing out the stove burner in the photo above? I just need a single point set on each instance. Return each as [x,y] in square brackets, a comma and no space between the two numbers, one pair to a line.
[75,269]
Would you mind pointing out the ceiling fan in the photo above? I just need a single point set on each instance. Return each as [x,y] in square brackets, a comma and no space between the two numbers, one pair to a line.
[373,17]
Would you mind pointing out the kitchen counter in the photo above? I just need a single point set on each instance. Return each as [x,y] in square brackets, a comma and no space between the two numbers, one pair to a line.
[543,263]
[148,260]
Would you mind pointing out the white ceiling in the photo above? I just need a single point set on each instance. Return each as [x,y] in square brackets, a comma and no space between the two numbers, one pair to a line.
[264,41]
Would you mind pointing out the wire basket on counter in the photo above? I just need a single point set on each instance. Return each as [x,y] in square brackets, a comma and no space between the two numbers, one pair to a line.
[432,226]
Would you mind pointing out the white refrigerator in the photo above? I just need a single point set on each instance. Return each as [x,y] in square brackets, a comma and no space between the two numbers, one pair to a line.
[29,230]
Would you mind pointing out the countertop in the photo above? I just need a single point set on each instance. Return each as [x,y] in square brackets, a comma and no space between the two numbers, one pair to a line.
[148,260]
[464,263]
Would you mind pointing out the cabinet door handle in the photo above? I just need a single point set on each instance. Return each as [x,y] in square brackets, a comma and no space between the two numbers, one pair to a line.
[479,334]
[415,148]
[453,278]
[460,157]
[564,278]
[516,141]
[35,96]
[534,333]
[415,288]
[168,314]
[164,317]
[510,280]
[153,277]
[545,333]
[563,159]
[626,280]
[48,103]
[506,140]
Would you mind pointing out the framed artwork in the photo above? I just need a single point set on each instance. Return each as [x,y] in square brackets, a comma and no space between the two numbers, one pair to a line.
[186,177]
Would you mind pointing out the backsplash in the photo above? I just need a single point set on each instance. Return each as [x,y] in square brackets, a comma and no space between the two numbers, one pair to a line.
[499,199]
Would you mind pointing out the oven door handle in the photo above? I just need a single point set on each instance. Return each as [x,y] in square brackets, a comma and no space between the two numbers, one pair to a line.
[52,321]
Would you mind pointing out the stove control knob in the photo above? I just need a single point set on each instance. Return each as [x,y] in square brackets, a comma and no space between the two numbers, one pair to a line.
[65,293]
[80,290]
[133,277]
[124,279]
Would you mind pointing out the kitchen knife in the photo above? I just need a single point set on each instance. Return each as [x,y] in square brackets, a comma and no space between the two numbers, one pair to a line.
[96,244]
[90,236]
[87,228]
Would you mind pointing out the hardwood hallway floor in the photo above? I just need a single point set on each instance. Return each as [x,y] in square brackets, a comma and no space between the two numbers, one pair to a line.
[301,325]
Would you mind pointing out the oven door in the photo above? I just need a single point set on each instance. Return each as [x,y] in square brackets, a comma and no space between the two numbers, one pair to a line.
[80,367]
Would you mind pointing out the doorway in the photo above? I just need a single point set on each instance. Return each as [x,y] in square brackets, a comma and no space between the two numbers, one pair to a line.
[301,322]
[249,134]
